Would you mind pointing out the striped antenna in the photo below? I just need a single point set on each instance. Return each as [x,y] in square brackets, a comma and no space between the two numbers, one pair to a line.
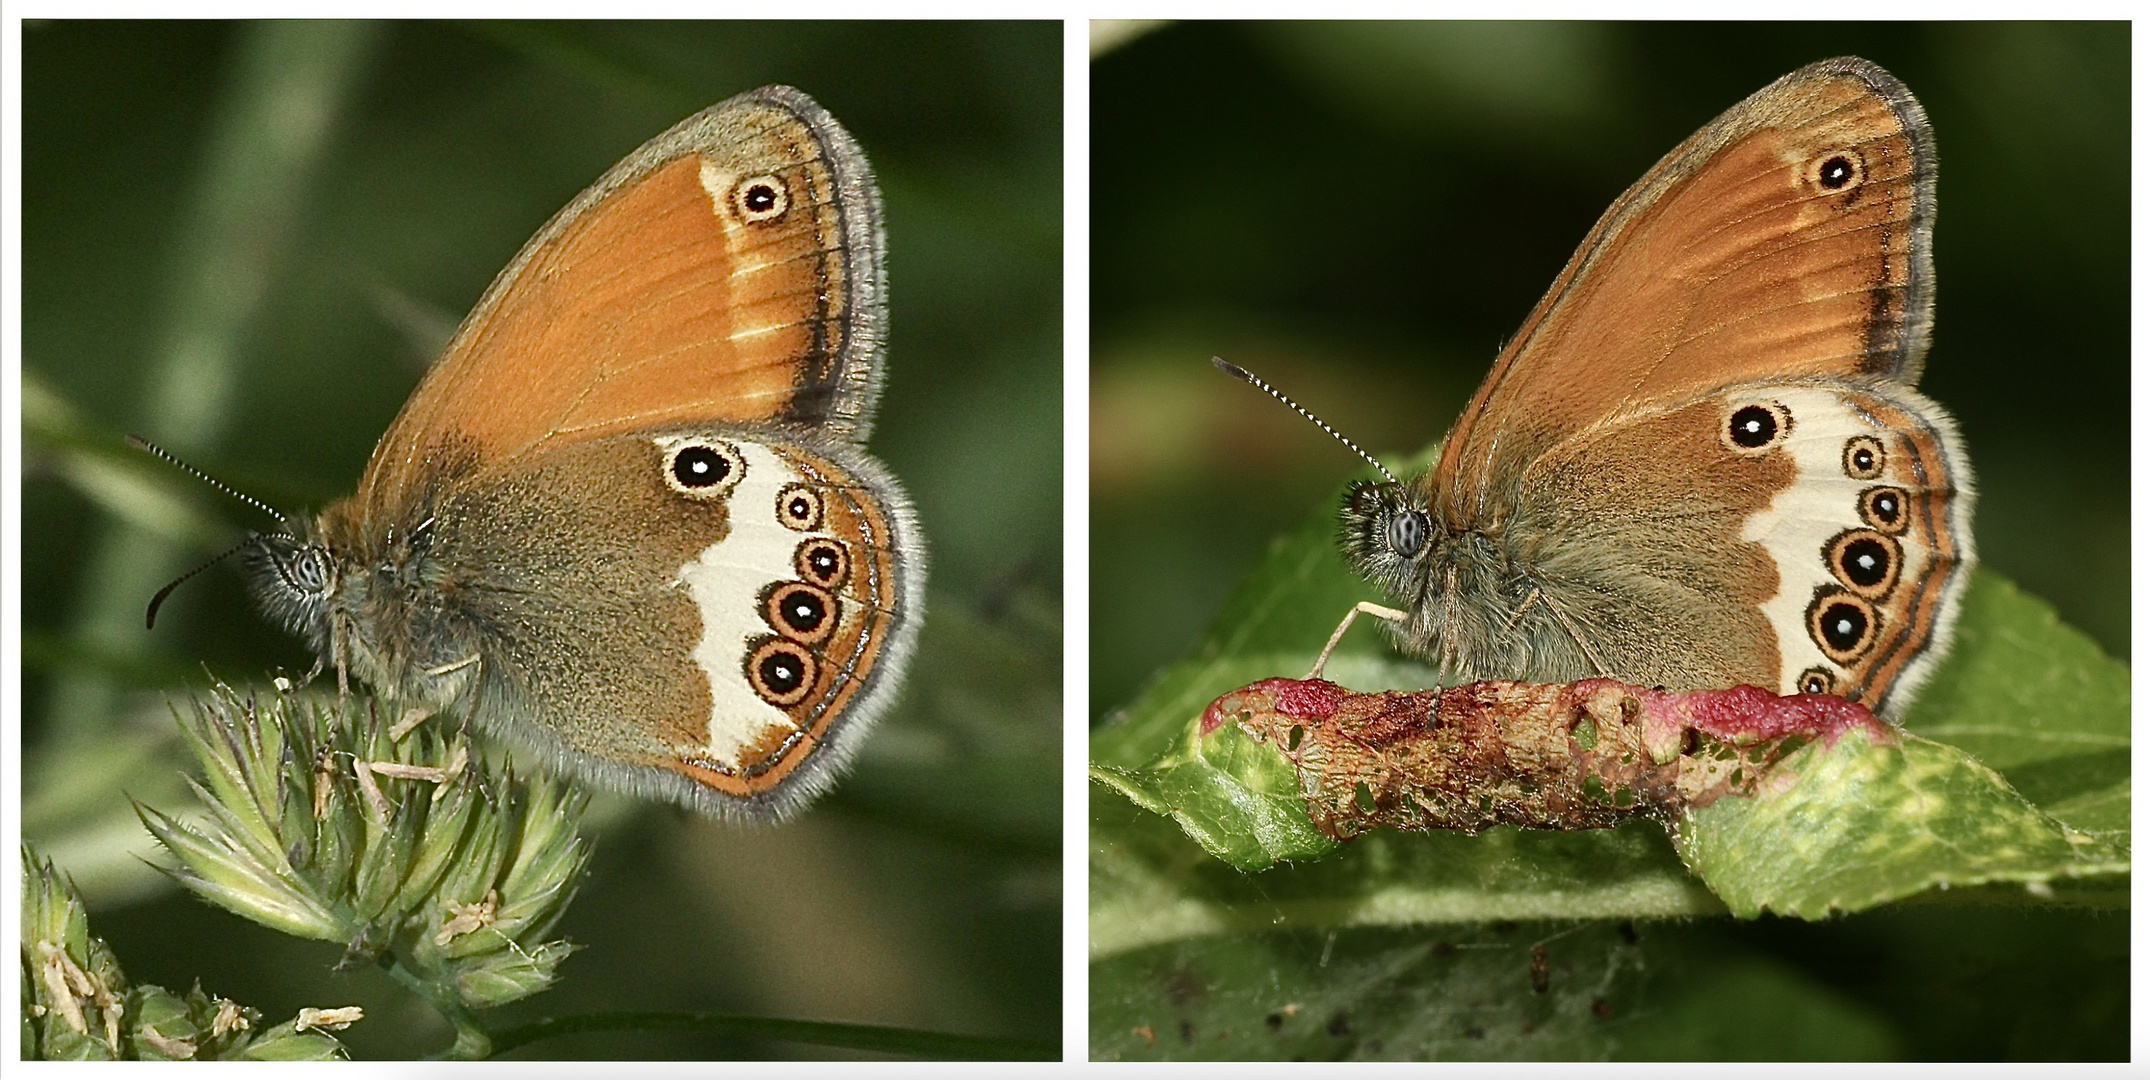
[153,449]
[1248,377]
[157,601]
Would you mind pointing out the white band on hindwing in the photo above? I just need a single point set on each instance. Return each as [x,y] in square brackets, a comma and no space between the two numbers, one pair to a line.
[726,581]
[1822,504]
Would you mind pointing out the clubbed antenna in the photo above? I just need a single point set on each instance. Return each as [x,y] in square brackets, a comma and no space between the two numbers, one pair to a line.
[145,445]
[1245,376]
[157,601]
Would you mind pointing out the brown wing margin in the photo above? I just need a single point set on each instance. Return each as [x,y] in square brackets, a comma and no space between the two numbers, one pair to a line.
[843,394]
[1724,263]
[653,299]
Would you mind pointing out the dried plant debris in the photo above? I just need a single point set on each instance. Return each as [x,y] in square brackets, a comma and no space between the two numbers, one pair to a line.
[78,1006]
[1585,755]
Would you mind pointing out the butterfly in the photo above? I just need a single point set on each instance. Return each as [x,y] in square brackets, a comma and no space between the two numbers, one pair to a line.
[1701,462]
[626,520]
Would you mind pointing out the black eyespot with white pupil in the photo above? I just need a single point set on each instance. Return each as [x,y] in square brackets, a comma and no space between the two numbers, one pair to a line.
[1837,172]
[700,467]
[1842,624]
[1883,508]
[1752,429]
[1864,458]
[1815,680]
[1407,533]
[801,612]
[761,199]
[799,507]
[1864,560]
[704,469]
[823,562]
[780,671]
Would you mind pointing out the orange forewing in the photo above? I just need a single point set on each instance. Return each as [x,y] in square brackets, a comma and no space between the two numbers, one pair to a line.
[651,300]
[1729,261]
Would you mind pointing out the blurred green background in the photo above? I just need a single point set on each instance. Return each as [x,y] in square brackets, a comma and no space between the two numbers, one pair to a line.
[1362,212]
[247,240]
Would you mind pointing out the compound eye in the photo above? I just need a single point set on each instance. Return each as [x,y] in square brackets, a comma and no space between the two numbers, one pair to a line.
[309,571]
[1407,533]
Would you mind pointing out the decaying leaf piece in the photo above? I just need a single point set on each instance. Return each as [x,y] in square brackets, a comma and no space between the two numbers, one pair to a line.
[1583,755]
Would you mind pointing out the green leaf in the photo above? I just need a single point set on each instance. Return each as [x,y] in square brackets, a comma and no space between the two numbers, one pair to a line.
[1867,824]
[2038,700]
[1469,993]
[1370,995]
[285,1043]
[1234,796]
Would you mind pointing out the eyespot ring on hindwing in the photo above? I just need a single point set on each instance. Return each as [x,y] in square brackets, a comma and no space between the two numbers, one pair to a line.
[1842,624]
[1865,458]
[702,468]
[1817,680]
[759,200]
[802,612]
[1866,561]
[780,671]
[799,507]
[822,561]
[1756,427]
[1884,509]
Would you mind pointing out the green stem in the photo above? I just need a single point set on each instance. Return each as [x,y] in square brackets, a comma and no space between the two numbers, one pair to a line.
[472,1041]
[888,1040]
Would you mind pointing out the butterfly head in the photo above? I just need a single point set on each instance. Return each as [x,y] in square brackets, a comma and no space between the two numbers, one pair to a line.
[1386,532]
[292,578]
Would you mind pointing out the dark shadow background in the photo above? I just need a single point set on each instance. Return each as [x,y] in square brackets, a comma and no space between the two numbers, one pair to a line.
[1362,212]
[926,892]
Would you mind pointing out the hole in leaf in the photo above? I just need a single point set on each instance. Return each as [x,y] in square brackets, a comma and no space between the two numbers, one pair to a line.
[1586,734]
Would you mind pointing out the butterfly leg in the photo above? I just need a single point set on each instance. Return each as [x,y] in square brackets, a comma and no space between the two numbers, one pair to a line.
[436,672]
[471,666]
[1364,607]
[1597,663]
[1516,618]
[412,717]
[335,647]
